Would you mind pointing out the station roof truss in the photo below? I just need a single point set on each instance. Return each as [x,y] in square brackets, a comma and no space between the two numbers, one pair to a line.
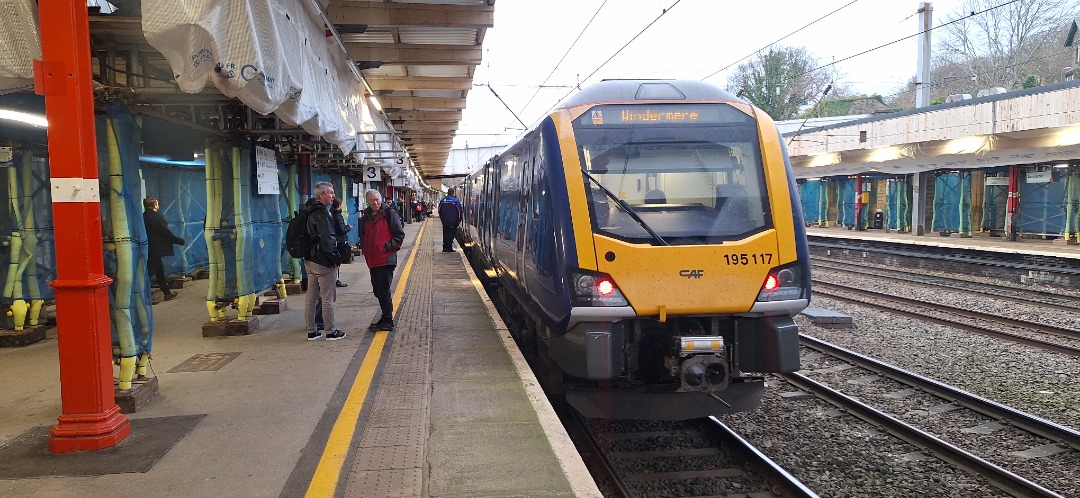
[409,65]
[418,57]
[1034,126]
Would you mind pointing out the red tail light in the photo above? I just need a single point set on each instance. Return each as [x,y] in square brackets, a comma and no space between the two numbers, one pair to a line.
[772,282]
[604,287]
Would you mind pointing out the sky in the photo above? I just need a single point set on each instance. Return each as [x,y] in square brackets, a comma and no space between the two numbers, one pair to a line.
[694,39]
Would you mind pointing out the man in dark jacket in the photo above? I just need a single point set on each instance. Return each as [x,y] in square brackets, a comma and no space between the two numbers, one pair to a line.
[160,240]
[341,230]
[381,235]
[450,215]
[321,265]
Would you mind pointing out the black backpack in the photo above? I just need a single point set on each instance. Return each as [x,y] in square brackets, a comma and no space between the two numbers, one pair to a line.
[297,239]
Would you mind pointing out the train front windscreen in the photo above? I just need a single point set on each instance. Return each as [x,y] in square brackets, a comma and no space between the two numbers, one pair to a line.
[673,174]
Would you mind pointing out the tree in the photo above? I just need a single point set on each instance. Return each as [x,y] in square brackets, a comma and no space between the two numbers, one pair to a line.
[1008,42]
[780,81]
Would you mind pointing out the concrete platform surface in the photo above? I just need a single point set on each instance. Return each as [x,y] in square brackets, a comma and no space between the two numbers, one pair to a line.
[253,415]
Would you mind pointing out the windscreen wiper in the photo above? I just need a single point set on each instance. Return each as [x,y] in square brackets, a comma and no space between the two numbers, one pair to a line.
[626,207]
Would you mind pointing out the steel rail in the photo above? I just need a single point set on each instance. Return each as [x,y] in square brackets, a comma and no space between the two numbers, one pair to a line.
[997,476]
[1026,421]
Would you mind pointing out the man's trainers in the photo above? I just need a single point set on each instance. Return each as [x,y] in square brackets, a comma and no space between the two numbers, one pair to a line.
[335,335]
[311,336]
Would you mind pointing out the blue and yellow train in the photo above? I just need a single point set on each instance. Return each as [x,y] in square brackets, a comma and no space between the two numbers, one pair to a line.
[648,238]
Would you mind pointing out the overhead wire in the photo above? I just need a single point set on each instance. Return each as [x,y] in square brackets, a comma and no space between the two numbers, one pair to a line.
[663,12]
[778,40]
[864,52]
[542,84]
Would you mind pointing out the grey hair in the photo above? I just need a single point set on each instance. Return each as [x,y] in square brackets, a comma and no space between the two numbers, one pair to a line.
[321,187]
[372,191]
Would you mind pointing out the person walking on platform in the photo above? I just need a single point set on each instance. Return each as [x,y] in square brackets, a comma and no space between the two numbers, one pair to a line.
[416,209]
[321,265]
[381,235]
[160,241]
[450,214]
[342,232]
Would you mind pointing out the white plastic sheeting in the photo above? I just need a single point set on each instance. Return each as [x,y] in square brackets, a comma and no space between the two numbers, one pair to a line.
[273,55]
[20,44]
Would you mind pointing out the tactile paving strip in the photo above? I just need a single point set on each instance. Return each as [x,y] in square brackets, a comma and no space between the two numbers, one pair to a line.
[389,458]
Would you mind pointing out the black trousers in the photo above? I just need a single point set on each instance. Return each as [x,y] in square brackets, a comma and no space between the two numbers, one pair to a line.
[381,276]
[448,233]
[155,267]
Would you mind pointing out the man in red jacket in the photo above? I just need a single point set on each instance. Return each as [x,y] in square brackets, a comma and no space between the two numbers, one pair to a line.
[381,235]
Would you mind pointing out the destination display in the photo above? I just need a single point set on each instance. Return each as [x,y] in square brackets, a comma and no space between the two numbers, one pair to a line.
[663,114]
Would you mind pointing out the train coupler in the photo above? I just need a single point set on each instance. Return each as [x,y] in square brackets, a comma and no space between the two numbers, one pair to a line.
[701,364]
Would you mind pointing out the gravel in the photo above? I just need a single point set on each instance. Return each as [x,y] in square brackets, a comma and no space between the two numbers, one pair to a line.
[838,455]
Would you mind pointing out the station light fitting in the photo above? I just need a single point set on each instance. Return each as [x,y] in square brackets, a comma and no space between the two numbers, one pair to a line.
[24,117]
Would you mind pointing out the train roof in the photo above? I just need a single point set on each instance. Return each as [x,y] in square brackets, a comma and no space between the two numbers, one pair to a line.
[629,90]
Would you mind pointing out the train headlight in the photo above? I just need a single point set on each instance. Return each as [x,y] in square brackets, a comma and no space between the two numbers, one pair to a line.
[783,284]
[595,289]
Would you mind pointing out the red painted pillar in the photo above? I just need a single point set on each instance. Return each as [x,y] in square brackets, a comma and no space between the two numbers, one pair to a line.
[858,203]
[90,418]
[303,177]
[1012,205]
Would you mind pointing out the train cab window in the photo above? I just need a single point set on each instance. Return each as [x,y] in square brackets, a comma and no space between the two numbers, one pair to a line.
[692,173]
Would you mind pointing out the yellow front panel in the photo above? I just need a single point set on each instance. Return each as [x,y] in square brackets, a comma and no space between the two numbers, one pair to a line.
[689,279]
[575,190]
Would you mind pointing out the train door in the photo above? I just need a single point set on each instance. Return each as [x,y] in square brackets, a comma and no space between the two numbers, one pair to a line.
[523,211]
[487,200]
[507,210]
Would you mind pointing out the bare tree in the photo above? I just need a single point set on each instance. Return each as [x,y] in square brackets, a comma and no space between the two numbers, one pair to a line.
[781,81]
[1003,43]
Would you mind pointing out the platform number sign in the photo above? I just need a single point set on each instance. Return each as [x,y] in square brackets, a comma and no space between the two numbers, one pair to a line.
[371,173]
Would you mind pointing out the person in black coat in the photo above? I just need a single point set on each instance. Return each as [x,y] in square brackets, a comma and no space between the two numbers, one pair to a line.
[342,231]
[160,240]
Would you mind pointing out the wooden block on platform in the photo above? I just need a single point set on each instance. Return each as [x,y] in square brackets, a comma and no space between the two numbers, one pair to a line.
[232,326]
[242,327]
[201,274]
[214,329]
[178,281]
[142,391]
[1065,241]
[28,335]
[273,306]
[293,289]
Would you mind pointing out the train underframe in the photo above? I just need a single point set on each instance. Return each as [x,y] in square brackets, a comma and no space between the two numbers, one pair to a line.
[642,368]
[685,367]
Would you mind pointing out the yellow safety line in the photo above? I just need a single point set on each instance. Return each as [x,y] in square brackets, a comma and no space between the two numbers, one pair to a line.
[408,266]
[324,482]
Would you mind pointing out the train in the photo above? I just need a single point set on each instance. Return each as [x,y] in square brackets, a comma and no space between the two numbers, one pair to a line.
[647,239]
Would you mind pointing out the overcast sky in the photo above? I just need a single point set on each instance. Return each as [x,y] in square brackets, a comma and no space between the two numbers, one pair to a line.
[695,39]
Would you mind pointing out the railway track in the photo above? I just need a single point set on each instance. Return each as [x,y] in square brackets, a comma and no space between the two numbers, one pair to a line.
[700,457]
[916,409]
[1034,334]
[999,292]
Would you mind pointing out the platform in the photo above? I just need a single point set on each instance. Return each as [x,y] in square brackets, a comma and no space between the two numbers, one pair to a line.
[979,241]
[443,406]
